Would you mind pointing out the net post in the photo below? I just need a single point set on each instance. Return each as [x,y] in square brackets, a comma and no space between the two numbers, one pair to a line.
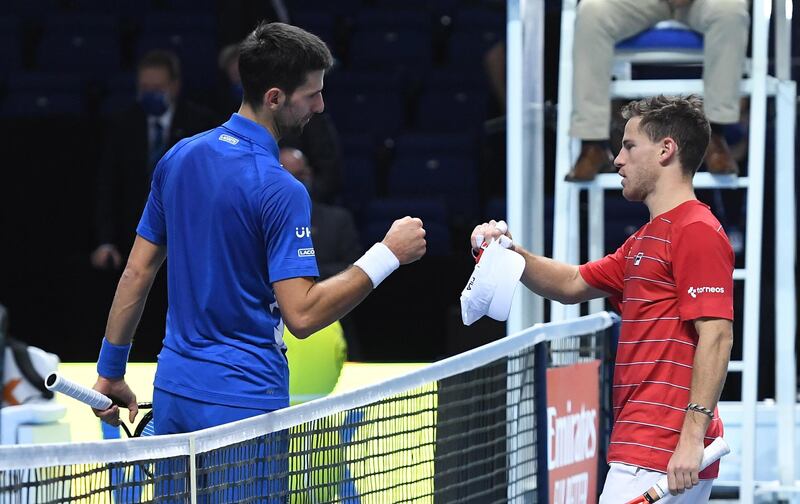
[192,471]
[608,352]
[540,381]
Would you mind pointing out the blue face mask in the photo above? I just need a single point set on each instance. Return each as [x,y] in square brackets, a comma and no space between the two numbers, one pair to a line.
[154,103]
[237,92]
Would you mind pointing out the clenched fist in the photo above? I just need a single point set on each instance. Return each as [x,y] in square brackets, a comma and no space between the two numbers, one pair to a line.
[406,239]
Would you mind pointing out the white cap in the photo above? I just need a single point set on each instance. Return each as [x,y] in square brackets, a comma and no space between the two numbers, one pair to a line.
[491,286]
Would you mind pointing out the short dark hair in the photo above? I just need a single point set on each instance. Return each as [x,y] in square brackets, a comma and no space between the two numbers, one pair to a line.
[161,58]
[279,55]
[678,117]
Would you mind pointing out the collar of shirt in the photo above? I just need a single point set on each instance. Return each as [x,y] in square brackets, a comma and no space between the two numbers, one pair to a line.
[253,131]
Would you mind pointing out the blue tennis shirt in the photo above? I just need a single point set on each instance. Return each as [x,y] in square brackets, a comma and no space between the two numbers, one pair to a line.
[234,221]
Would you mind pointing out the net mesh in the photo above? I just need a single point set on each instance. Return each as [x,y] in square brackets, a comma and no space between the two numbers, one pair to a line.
[466,430]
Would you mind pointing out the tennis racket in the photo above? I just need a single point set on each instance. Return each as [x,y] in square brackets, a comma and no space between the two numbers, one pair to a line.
[96,400]
[713,452]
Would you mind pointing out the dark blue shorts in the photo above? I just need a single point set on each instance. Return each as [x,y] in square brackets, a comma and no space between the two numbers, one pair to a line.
[251,470]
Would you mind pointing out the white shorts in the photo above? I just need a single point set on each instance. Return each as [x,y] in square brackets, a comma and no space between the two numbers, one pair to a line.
[624,482]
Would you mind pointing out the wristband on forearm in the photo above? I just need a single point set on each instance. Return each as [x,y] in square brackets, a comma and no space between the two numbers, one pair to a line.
[378,263]
[112,360]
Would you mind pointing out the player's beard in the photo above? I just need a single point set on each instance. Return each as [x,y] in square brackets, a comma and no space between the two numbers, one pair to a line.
[639,185]
[287,125]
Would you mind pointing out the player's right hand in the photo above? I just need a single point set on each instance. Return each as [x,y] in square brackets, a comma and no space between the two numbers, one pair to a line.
[119,391]
[488,231]
[406,239]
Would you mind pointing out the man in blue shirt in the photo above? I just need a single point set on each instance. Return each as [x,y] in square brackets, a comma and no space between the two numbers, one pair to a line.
[237,227]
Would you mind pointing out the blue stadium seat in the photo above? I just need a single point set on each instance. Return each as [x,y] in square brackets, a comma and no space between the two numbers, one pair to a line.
[46,82]
[10,47]
[457,78]
[33,104]
[380,113]
[661,39]
[122,82]
[378,18]
[27,8]
[437,236]
[70,23]
[452,110]
[432,209]
[116,102]
[354,81]
[320,23]
[436,7]
[186,6]
[120,92]
[422,144]
[358,183]
[93,53]
[390,50]
[466,47]
[495,209]
[85,43]
[180,23]
[438,240]
[358,145]
[337,8]
[122,7]
[452,177]
[480,19]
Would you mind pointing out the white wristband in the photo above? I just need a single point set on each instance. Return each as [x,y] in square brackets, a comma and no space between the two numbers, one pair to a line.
[378,263]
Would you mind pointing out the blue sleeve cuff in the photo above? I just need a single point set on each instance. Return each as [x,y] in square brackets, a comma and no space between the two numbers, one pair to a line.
[113,359]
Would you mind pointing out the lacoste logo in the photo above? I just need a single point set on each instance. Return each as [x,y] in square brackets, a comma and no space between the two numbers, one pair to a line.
[227,138]
[694,291]
[306,252]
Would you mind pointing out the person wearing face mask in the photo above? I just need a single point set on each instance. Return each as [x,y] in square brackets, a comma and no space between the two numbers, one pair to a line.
[135,139]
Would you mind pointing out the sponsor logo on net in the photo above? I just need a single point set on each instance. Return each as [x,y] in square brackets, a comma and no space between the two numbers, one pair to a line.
[694,291]
[306,252]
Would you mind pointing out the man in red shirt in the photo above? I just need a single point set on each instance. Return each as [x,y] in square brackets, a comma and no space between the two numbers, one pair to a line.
[672,281]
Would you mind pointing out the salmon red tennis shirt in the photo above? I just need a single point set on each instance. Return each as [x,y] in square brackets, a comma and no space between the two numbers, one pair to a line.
[673,270]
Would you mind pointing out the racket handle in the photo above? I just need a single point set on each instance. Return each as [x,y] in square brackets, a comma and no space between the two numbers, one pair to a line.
[713,452]
[93,398]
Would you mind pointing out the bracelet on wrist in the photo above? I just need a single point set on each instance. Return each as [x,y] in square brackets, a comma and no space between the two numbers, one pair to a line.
[113,360]
[700,409]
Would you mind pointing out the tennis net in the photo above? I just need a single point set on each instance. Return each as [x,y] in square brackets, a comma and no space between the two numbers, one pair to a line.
[477,427]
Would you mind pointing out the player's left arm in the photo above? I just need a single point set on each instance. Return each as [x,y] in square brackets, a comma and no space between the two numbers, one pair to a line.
[709,370]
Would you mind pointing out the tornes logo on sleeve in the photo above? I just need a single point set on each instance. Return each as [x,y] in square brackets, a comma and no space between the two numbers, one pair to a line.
[695,291]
